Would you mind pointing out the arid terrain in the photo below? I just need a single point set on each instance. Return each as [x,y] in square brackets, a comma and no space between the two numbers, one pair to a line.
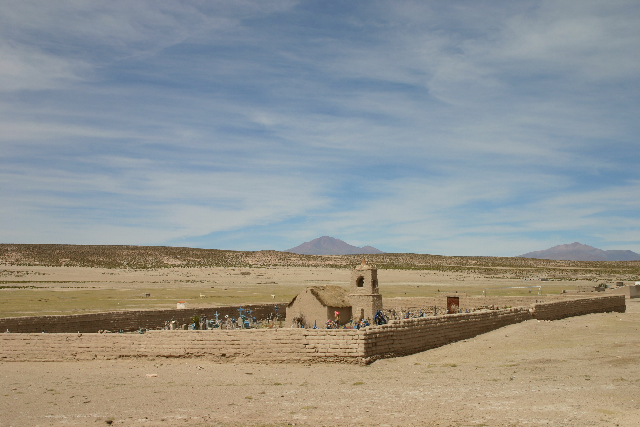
[580,371]
[68,279]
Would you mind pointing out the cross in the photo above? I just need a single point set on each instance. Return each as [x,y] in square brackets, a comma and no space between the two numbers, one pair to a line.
[216,314]
[241,310]
[249,312]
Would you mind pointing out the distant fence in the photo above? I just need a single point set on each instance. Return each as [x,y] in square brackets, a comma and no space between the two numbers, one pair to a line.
[129,321]
[576,307]
[399,337]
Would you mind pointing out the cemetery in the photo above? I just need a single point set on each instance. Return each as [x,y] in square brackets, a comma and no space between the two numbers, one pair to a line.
[321,325]
[502,350]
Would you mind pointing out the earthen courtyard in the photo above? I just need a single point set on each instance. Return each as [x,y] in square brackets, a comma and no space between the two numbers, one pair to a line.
[580,371]
[577,371]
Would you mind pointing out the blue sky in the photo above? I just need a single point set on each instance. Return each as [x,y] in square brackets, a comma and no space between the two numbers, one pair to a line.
[453,128]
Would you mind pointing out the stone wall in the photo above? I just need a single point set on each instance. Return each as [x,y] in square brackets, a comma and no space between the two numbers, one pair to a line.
[401,337]
[576,307]
[397,338]
[127,320]
[263,345]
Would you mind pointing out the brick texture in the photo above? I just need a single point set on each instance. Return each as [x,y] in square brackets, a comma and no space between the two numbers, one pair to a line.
[127,320]
[561,309]
[399,337]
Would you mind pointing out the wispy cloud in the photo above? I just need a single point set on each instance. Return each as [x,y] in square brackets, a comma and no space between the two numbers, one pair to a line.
[454,128]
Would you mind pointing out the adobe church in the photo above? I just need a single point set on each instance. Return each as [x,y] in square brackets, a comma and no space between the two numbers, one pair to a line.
[317,304]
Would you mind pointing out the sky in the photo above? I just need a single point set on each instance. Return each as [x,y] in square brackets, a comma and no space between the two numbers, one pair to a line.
[442,127]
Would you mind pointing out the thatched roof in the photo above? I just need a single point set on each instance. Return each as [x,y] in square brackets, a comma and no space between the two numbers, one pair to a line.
[329,296]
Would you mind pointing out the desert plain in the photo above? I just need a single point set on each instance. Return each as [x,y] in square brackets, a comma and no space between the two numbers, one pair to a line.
[579,371]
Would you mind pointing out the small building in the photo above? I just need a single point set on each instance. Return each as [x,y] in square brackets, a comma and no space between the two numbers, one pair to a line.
[364,294]
[181,305]
[317,304]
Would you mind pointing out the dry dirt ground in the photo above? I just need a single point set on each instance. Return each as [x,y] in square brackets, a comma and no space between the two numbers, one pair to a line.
[581,371]
[37,290]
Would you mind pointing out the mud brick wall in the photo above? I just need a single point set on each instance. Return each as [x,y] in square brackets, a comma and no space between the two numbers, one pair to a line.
[399,337]
[265,345]
[577,307]
[127,320]
[408,336]
[334,344]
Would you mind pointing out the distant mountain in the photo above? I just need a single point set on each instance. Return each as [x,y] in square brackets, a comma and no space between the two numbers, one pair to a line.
[326,245]
[579,252]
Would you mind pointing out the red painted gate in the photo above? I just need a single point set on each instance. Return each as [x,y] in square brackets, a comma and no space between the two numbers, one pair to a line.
[453,304]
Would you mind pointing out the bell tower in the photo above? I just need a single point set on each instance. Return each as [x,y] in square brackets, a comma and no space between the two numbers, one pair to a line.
[364,295]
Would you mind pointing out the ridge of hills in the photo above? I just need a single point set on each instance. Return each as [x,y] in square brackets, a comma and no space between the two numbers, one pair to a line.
[326,245]
[160,257]
[578,252]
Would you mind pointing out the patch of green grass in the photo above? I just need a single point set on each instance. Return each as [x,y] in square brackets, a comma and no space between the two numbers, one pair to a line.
[56,301]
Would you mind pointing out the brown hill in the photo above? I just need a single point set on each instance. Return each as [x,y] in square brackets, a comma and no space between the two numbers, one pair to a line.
[579,252]
[145,257]
[326,245]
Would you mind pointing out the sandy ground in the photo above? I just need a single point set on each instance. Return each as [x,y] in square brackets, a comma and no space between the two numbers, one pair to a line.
[296,276]
[581,371]
[29,291]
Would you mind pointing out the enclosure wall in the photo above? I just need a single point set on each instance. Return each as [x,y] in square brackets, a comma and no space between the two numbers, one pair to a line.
[129,320]
[397,338]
